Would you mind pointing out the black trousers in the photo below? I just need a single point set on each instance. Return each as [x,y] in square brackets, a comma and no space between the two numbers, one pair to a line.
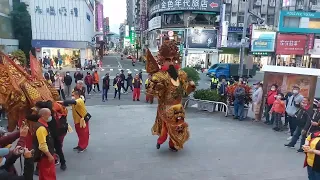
[129,85]
[117,91]
[61,93]
[89,88]
[58,148]
[96,85]
[292,124]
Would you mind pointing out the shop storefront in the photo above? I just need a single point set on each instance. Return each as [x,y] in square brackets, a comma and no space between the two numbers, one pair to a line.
[291,50]
[68,51]
[263,44]
[202,48]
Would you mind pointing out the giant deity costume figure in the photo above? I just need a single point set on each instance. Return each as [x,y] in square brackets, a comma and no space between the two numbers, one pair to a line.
[169,84]
[19,91]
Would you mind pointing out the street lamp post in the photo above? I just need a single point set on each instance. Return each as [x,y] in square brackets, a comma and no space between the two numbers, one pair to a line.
[244,39]
[187,42]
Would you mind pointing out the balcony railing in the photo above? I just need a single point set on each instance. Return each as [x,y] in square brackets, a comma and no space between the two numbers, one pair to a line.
[173,24]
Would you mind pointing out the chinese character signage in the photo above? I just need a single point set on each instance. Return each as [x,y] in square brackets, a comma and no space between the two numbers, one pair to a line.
[132,36]
[143,15]
[202,38]
[308,22]
[52,11]
[263,41]
[176,5]
[288,44]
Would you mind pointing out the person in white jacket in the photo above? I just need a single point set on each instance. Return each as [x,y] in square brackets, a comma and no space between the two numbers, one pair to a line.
[257,101]
[59,85]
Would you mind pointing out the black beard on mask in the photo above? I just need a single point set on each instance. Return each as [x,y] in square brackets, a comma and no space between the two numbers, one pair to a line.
[173,72]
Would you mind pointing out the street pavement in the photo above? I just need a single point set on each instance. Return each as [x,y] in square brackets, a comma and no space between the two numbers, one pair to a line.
[113,65]
[122,148]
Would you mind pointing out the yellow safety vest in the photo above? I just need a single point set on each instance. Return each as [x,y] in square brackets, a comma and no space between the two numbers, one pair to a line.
[215,80]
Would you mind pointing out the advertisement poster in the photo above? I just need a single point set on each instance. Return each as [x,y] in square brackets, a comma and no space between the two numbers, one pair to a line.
[262,41]
[288,44]
[285,82]
[202,38]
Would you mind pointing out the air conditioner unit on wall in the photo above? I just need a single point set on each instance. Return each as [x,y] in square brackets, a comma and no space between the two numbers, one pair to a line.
[258,3]
[272,4]
[241,25]
[300,7]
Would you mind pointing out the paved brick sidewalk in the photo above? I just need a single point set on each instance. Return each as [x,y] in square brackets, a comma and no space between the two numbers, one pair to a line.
[122,148]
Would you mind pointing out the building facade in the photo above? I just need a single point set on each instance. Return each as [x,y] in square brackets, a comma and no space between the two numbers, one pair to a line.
[130,12]
[7,41]
[63,29]
[192,24]
[99,20]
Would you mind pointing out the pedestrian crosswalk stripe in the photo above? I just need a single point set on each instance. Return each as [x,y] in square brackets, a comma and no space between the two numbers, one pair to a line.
[136,69]
[111,69]
[128,69]
[144,70]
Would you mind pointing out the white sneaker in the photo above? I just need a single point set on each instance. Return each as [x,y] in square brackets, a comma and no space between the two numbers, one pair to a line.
[289,138]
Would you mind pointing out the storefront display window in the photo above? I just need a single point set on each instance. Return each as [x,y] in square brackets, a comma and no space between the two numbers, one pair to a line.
[195,60]
[68,55]
[229,58]
[293,60]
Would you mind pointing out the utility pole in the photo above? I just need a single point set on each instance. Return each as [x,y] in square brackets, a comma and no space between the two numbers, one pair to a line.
[244,39]
[187,43]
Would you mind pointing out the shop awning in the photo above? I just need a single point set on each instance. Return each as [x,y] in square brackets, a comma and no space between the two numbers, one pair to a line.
[174,12]
[201,12]
[291,70]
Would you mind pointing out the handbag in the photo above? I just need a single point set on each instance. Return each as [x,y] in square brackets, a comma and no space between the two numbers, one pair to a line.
[86,118]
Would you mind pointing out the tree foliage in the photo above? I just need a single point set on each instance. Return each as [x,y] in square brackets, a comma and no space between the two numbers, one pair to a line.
[21,22]
[20,56]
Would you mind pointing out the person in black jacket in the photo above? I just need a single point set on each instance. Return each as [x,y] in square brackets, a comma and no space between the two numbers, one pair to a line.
[105,87]
[68,82]
[117,86]
[123,78]
[313,124]
[129,82]
[5,164]
[303,115]
[286,98]
[78,75]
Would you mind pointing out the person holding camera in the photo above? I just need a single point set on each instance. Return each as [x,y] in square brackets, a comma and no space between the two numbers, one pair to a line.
[5,164]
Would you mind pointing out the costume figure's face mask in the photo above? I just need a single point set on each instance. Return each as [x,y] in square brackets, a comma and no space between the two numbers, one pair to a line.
[169,55]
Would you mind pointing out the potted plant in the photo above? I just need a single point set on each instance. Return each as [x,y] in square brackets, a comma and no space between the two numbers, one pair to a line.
[194,76]
[206,99]
[231,98]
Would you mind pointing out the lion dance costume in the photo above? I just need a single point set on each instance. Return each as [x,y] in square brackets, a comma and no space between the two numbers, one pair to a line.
[19,91]
[169,84]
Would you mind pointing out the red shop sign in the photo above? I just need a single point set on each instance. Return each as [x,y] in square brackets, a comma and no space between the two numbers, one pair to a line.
[288,44]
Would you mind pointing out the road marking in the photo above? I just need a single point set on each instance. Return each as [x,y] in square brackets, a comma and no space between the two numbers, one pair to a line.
[144,70]
[111,69]
[120,66]
[128,69]
[136,69]
[120,69]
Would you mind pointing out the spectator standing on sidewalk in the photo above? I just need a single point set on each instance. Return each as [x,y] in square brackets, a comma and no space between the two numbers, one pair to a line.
[302,116]
[222,89]
[96,81]
[68,82]
[313,124]
[257,100]
[59,85]
[82,90]
[78,75]
[277,111]
[271,97]
[105,87]
[293,104]
[239,95]
[88,80]
[137,83]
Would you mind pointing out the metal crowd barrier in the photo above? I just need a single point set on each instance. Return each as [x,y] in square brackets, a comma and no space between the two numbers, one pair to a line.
[205,105]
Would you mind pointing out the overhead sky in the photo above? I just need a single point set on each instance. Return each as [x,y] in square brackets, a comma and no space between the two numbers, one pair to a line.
[116,11]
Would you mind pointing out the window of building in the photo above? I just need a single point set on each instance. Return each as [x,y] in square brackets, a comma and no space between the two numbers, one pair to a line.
[240,19]
[227,17]
[5,28]
[270,20]
[173,18]
[291,22]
